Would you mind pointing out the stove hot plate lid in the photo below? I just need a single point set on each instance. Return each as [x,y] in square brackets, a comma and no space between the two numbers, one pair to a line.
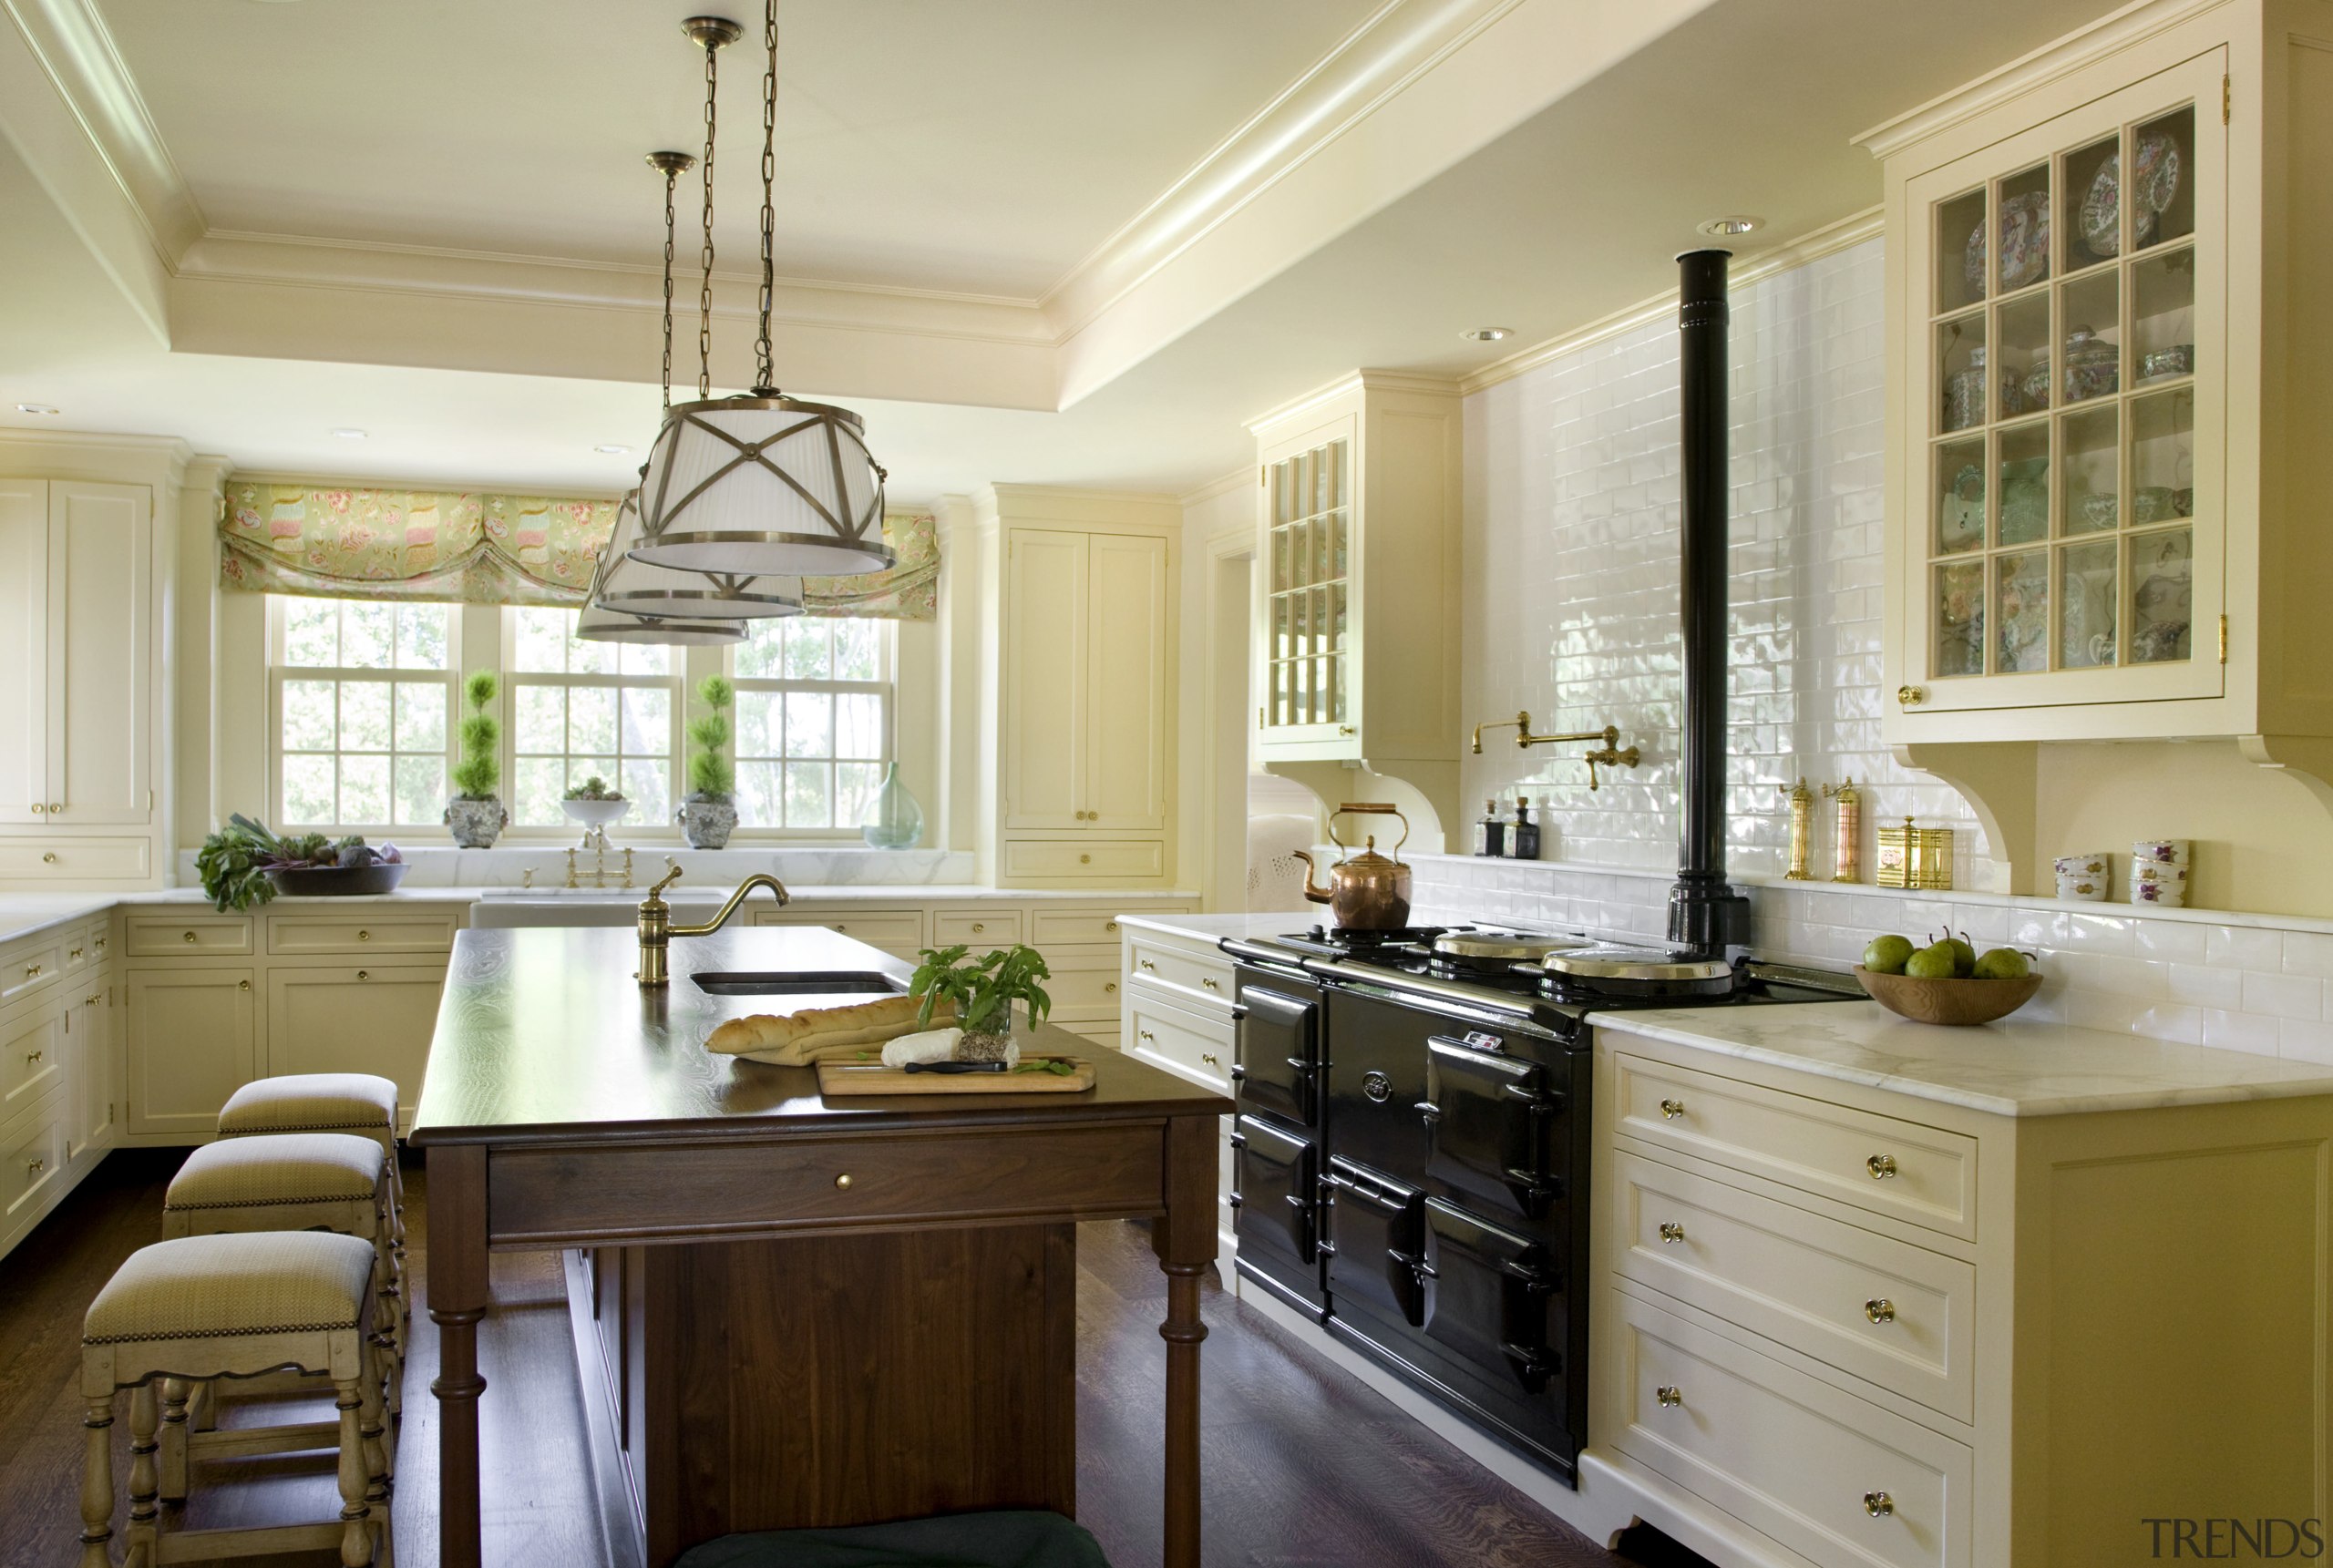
[1616,961]
[1502,947]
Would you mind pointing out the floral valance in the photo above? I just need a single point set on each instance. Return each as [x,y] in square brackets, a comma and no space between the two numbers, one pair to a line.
[481,547]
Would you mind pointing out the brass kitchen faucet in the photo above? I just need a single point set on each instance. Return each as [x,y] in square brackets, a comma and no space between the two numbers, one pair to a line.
[1609,754]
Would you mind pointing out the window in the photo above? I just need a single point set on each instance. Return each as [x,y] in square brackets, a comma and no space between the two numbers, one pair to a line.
[584,710]
[358,694]
[813,722]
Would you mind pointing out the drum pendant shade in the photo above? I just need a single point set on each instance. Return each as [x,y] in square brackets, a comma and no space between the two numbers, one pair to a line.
[755,485]
[630,586]
[597,625]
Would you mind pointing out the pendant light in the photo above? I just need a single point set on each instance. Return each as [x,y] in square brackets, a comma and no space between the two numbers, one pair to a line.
[597,623]
[761,483]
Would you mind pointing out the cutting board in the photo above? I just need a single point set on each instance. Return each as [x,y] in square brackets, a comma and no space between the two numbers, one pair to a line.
[874,1078]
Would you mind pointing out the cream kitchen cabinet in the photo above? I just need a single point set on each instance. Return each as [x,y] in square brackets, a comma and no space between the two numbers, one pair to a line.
[1357,608]
[77,563]
[192,1041]
[2108,379]
[1179,1018]
[355,1018]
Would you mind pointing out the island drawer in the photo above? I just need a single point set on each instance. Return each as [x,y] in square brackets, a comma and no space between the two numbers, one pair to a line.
[1095,859]
[292,936]
[762,1186]
[74,859]
[1834,1477]
[978,929]
[188,936]
[1881,1164]
[1183,1043]
[26,966]
[1206,978]
[1900,1317]
[896,931]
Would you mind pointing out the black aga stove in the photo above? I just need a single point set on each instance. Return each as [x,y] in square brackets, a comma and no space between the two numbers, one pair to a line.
[1413,1148]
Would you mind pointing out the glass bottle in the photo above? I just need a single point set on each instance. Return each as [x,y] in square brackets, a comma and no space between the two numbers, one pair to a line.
[896,821]
[1522,837]
[1490,832]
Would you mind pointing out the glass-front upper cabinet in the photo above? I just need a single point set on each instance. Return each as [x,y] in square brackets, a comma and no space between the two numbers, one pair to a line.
[2066,539]
[1308,511]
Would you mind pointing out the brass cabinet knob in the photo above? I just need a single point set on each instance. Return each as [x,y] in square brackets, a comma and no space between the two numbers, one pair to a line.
[101,944]
[364,935]
[842,1182]
[1110,925]
[39,810]
[1878,1504]
[1086,860]
[56,808]
[1671,1232]
[1145,964]
[1208,1056]
[242,985]
[1345,729]
[978,928]
[1670,1395]
[189,936]
[32,971]
[33,1057]
[1881,1166]
[34,1167]
[74,954]
[1210,982]
[1109,986]
[1146,1034]
[48,858]
[1911,696]
[364,975]
[1671,1109]
[1879,1309]
[91,1001]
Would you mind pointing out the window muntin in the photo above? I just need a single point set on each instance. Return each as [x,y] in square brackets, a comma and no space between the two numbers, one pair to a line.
[584,708]
[813,722]
[358,695]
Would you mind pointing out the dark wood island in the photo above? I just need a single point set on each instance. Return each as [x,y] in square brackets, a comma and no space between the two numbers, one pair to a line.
[804,1312]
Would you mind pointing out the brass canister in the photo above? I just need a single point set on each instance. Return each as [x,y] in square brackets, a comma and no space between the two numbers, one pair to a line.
[1846,847]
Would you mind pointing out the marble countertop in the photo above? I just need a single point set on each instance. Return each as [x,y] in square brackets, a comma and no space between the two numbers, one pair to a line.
[2010,1068]
[30,913]
[1215,928]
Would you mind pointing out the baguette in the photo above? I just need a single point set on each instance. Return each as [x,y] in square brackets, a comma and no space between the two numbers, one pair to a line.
[800,1038]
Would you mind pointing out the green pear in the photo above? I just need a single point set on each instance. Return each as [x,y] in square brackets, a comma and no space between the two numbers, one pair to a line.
[1964,957]
[1933,963]
[1885,955]
[2003,963]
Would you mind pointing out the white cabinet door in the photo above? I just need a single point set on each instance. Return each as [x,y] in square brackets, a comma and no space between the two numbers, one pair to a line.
[1046,676]
[369,1019]
[100,581]
[193,1040]
[1125,729]
[92,1066]
[24,650]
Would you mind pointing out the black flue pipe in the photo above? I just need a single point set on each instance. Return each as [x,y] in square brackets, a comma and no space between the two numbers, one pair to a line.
[1706,915]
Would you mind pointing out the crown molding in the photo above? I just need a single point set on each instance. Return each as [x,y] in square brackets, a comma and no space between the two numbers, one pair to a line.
[2084,47]
[1351,382]
[1829,239]
[1214,488]
[76,51]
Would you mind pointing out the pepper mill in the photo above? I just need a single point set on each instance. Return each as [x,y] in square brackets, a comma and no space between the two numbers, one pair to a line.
[1802,828]
[1848,841]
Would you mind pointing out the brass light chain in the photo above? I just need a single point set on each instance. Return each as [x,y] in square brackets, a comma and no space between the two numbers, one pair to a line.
[704,292]
[765,383]
[672,180]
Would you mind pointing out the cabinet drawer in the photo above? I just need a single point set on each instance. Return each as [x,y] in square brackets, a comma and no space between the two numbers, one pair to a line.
[1097,858]
[896,931]
[80,948]
[1787,1454]
[1925,1175]
[26,966]
[1071,928]
[292,935]
[1183,1043]
[1205,981]
[1083,988]
[1896,1315]
[188,936]
[73,859]
[975,928]
[32,1158]
[31,1054]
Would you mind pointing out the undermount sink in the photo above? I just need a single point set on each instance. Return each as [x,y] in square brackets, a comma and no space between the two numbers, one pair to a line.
[797,982]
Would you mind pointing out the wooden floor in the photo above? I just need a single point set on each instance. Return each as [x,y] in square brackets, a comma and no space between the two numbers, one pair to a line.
[1306,1466]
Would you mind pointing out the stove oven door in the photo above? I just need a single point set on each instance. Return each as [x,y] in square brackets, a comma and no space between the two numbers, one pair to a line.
[1279,1061]
[1376,1241]
[1494,1124]
[1492,1296]
[1276,1195]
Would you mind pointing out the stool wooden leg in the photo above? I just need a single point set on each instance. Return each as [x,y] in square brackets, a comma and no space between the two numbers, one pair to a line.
[356,1532]
[379,1448]
[202,1413]
[174,1397]
[97,1484]
[144,1478]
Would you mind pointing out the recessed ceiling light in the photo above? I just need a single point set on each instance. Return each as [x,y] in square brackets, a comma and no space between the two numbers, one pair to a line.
[349,433]
[610,449]
[35,408]
[1486,334]
[1733,224]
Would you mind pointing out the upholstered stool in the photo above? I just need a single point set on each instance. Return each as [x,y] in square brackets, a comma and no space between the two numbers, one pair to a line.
[356,1102]
[199,1308]
[291,1182]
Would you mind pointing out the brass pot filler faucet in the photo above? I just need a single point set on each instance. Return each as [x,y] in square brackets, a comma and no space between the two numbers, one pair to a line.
[1609,754]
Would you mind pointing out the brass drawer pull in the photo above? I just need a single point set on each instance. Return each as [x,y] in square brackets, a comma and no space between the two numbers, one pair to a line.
[1910,696]
[1086,860]
[32,971]
[242,985]
[1881,1166]
[1671,1109]
[362,975]
[1210,982]
[1146,1034]
[1878,1504]
[1146,964]
[101,944]
[1879,1309]
[1209,1058]
[978,928]
[91,1001]
[1111,926]
[1109,986]
[842,1182]
[364,935]
[34,1167]
[189,936]
[74,954]
[1671,1232]
[48,858]
[1670,1395]
[32,1058]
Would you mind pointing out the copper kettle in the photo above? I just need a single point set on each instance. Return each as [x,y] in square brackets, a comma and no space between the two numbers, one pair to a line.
[1366,892]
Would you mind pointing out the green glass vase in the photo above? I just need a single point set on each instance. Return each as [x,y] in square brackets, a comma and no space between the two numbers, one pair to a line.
[896,821]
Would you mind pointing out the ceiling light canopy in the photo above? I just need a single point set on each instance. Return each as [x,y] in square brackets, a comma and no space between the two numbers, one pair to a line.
[761,484]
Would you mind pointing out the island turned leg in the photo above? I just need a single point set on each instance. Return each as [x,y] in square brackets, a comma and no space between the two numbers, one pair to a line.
[458,1299]
[1184,1239]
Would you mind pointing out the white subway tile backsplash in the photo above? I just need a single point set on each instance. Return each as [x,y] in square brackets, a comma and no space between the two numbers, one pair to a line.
[2243,948]
[2284,996]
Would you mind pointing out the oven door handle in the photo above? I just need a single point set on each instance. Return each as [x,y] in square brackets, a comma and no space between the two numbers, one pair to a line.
[1538,1281]
[1541,1104]
[1300,1065]
[1429,1111]
[1533,1364]
[1538,1184]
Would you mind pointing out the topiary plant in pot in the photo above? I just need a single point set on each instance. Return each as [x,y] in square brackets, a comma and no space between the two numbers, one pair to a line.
[476,814]
[709,815]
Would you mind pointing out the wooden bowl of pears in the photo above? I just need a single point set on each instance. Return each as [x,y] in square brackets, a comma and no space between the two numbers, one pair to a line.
[1948,982]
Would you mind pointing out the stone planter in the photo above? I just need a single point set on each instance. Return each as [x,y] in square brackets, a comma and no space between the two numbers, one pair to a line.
[476,824]
[706,821]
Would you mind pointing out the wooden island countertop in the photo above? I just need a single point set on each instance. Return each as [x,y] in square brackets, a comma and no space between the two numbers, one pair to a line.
[807,1312]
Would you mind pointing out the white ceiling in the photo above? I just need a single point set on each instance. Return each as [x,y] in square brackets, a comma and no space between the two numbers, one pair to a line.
[974,146]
